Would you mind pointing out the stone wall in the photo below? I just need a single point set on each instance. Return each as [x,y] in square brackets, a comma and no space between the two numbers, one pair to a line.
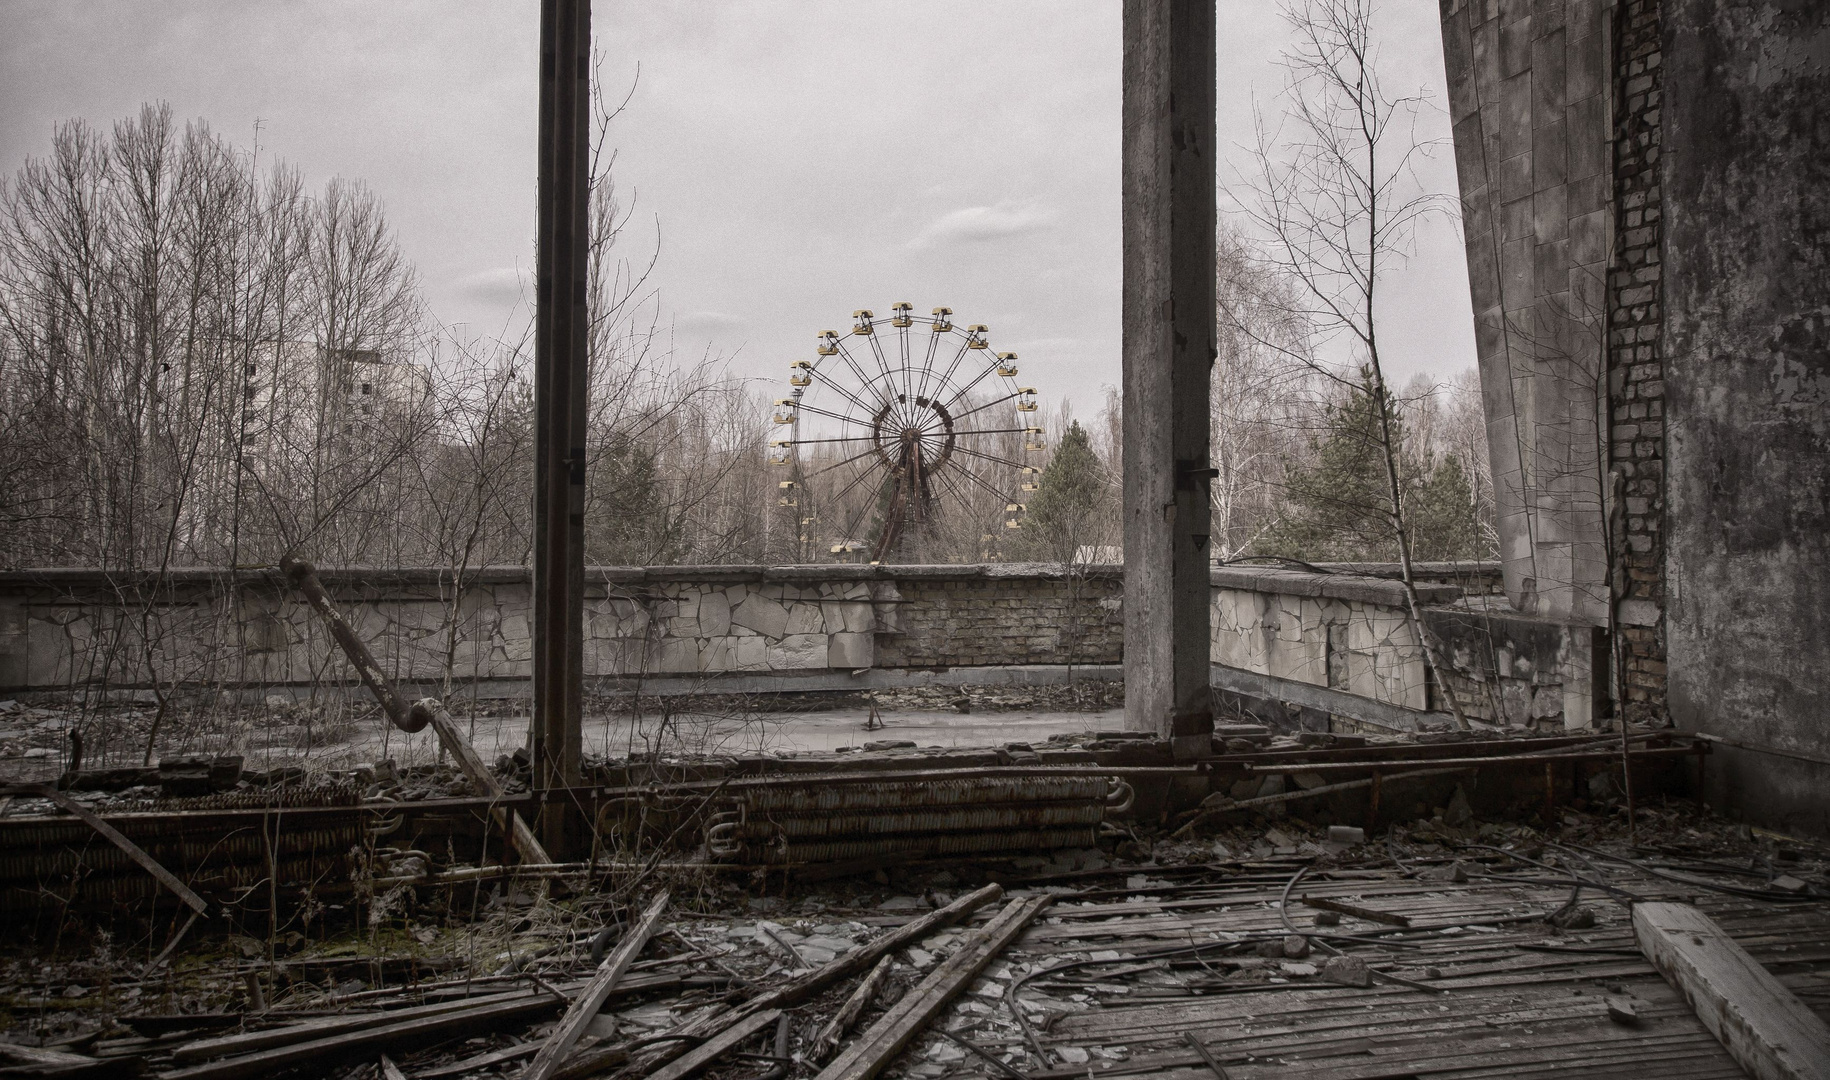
[752,627]
[1340,631]
[1520,671]
[67,628]
[1745,181]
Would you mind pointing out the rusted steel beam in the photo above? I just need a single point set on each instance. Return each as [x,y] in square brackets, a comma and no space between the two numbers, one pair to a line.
[304,577]
[427,712]
[1659,752]
[561,392]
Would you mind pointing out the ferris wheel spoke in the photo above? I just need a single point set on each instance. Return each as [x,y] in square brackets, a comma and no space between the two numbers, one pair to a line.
[975,478]
[889,380]
[863,475]
[988,457]
[927,366]
[857,519]
[994,431]
[817,411]
[965,346]
[902,347]
[987,405]
[838,464]
[856,368]
[810,442]
[981,378]
[826,380]
[904,408]
[951,488]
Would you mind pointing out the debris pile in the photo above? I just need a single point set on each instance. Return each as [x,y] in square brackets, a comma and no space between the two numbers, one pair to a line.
[1041,965]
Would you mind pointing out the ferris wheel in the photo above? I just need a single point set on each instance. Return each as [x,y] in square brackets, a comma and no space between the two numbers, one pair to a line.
[904,437]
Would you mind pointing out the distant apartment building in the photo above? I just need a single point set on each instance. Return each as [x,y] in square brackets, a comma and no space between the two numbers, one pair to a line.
[302,398]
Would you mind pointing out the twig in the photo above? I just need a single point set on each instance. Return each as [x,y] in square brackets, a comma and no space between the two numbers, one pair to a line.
[1199,1047]
[997,1063]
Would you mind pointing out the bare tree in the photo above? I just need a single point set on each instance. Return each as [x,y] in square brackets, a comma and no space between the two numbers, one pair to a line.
[1337,201]
[1263,396]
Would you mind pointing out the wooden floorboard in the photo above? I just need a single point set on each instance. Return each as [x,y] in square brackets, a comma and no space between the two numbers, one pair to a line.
[1511,1010]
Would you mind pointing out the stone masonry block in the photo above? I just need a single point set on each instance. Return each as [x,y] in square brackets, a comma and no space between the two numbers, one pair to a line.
[714,614]
[761,614]
[805,618]
[752,654]
[798,651]
[850,651]
[718,653]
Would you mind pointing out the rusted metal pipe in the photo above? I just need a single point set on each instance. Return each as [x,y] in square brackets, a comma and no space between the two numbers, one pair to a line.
[304,577]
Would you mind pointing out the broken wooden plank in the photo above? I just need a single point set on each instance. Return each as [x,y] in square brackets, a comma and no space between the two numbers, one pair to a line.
[433,711]
[787,950]
[351,1045]
[1200,1048]
[591,1061]
[585,1006]
[253,1041]
[1763,1025]
[885,1039]
[715,1047]
[43,1063]
[480,1061]
[1358,912]
[848,1013]
[134,851]
[805,986]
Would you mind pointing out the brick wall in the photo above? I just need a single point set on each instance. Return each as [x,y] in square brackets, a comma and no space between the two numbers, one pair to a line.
[961,621]
[1636,373]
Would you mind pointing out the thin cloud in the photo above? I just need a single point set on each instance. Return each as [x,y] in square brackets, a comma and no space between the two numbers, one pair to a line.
[499,286]
[977,224]
[710,324]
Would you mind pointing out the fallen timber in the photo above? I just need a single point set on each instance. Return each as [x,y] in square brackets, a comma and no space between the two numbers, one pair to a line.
[1443,976]
[222,853]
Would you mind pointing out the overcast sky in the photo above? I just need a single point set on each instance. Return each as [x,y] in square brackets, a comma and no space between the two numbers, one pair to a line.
[794,160]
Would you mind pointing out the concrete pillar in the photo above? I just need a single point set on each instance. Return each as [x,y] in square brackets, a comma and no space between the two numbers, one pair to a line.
[560,393]
[1169,153]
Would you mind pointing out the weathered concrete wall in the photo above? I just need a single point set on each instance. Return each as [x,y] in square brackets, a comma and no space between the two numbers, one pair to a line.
[1522,671]
[1344,632]
[64,628]
[704,626]
[1746,184]
[1529,97]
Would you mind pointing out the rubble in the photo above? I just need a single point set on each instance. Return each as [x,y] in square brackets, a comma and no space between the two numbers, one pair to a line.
[1141,908]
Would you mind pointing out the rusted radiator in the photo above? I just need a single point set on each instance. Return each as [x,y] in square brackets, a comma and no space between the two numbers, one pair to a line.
[823,820]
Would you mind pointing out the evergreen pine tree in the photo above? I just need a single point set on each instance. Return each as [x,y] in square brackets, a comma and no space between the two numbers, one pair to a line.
[1339,506]
[1441,515]
[1061,510]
